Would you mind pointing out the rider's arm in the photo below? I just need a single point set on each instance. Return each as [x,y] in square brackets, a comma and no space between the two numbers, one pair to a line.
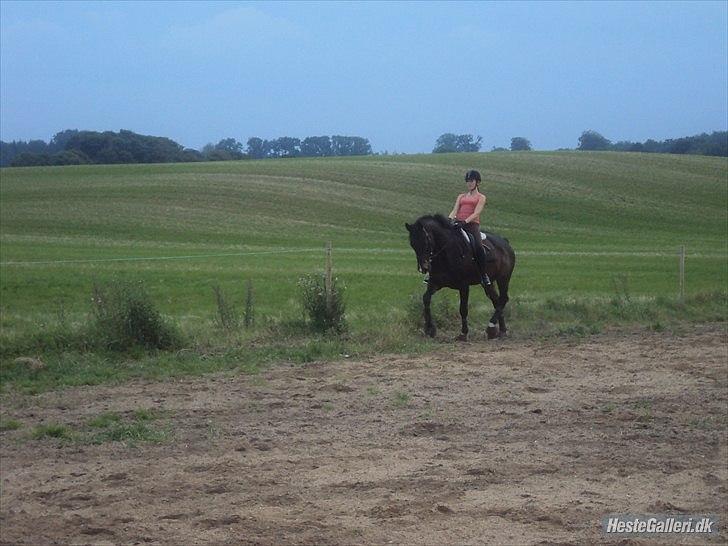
[454,212]
[477,211]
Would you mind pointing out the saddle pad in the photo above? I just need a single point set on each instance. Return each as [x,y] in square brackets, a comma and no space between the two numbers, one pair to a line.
[467,239]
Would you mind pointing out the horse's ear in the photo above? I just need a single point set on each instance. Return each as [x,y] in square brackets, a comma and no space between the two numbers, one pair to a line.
[409,227]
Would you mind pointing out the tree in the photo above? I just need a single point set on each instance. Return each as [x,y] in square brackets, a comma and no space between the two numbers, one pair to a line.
[467,143]
[189,155]
[285,147]
[219,155]
[316,146]
[591,140]
[716,144]
[231,146]
[258,148]
[446,143]
[124,147]
[68,157]
[450,143]
[350,145]
[520,144]
[60,139]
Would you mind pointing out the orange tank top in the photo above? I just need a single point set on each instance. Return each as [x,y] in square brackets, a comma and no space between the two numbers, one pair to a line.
[467,207]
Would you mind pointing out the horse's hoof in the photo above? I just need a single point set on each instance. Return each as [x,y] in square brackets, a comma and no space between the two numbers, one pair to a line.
[462,337]
[430,332]
[492,332]
[502,334]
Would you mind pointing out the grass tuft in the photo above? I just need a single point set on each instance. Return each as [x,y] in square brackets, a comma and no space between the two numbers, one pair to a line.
[57,431]
[401,399]
[9,424]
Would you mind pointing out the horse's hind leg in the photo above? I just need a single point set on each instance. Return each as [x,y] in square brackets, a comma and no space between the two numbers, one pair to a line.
[502,302]
[494,298]
[464,295]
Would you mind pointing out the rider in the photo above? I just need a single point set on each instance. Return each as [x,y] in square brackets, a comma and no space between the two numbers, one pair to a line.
[466,212]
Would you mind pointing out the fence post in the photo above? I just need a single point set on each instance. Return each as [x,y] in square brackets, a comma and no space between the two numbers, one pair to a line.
[328,280]
[682,273]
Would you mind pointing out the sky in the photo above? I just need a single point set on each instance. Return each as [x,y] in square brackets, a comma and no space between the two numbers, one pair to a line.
[398,73]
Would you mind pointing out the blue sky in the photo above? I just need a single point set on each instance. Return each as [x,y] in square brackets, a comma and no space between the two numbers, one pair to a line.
[399,74]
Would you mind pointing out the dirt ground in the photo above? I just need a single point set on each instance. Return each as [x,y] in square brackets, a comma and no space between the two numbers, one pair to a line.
[501,443]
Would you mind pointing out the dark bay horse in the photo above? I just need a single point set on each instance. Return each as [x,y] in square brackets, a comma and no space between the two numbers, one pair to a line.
[443,252]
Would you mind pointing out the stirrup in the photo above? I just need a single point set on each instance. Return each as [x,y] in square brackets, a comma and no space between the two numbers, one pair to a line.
[426,279]
[485,280]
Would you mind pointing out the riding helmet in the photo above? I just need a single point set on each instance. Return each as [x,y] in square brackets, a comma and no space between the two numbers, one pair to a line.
[472,175]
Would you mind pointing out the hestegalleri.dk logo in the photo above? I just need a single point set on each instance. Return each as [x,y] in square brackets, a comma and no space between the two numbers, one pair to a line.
[622,524]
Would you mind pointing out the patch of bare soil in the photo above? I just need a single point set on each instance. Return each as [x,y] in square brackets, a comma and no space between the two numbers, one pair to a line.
[499,443]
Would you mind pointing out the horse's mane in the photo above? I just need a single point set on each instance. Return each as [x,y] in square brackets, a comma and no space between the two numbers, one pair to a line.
[437,219]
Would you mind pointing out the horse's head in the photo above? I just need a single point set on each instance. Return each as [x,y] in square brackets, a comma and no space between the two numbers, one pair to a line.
[421,242]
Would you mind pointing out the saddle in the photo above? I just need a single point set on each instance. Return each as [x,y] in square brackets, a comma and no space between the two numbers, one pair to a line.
[470,240]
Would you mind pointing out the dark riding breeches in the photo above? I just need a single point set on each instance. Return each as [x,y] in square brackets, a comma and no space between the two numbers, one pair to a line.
[480,259]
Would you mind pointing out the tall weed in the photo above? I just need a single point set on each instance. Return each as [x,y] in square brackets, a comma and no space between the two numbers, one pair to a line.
[227,317]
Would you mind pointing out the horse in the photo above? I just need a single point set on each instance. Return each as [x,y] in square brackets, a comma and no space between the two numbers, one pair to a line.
[442,251]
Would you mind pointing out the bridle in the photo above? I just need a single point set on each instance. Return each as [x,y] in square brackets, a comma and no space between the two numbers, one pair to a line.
[430,247]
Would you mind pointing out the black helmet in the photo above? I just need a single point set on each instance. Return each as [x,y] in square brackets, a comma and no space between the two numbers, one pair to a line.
[472,175]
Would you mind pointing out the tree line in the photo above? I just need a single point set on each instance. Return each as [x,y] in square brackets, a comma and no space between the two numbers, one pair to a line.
[715,144]
[452,143]
[73,147]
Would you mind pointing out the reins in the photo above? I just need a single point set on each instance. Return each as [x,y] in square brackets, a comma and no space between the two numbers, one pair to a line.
[431,244]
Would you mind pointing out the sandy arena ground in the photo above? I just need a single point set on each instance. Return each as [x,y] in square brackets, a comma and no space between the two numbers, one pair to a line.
[502,443]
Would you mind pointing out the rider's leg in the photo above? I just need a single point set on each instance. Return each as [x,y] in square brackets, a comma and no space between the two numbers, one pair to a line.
[474,230]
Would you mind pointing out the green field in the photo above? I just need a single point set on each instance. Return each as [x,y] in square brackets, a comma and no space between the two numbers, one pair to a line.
[584,226]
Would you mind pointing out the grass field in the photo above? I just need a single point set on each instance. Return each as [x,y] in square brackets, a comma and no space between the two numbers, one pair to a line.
[587,227]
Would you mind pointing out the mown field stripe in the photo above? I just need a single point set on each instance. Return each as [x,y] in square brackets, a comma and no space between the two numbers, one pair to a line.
[366,250]
[139,259]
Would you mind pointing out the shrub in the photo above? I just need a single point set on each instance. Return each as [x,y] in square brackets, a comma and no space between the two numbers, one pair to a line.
[325,313]
[125,318]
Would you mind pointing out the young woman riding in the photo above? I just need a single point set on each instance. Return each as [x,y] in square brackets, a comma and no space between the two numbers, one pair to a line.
[466,212]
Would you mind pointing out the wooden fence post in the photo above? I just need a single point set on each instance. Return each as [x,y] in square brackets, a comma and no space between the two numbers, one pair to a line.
[682,273]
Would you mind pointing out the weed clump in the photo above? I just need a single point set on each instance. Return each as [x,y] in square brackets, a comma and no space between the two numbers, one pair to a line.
[324,308]
[249,313]
[227,317]
[125,318]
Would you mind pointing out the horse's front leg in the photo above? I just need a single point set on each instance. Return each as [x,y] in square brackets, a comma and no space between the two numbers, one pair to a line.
[430,328]
[464,295]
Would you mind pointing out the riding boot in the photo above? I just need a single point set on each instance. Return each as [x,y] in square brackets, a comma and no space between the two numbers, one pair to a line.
[480,261]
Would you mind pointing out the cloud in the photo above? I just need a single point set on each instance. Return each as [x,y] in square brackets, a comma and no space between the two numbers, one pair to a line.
[243,30]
